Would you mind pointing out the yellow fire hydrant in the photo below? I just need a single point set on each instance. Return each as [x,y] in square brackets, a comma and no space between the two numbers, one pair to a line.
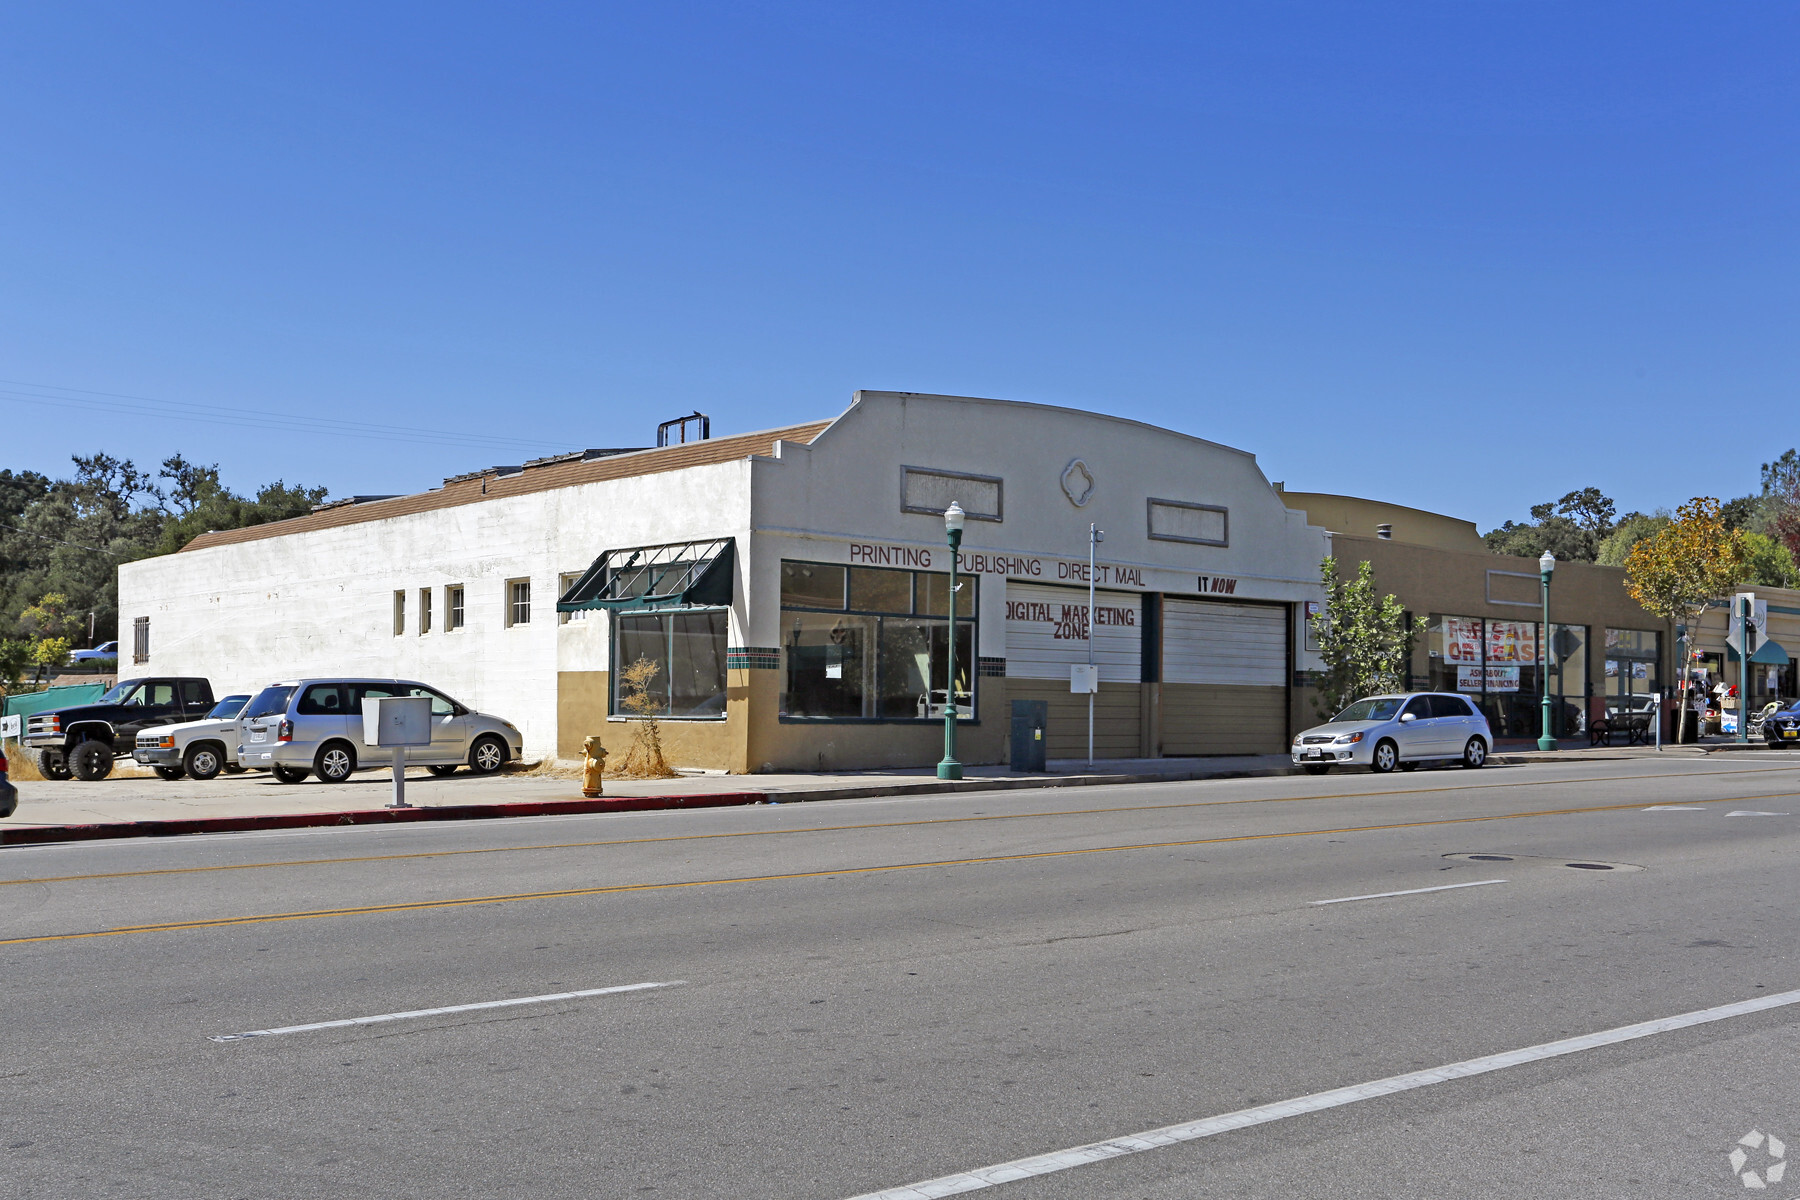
[593,766]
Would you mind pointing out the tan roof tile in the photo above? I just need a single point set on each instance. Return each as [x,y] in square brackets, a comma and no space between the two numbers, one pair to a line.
[543,478]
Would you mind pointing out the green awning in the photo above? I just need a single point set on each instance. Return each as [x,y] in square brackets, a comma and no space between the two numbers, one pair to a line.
[675,575]
[1770,654]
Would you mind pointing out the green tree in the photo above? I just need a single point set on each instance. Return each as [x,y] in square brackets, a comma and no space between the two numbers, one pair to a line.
[1363,639]
[1781,492]
[1768,562]
[1680,572]
[1632,528]
[70,535]
[15,659]
[1572,528]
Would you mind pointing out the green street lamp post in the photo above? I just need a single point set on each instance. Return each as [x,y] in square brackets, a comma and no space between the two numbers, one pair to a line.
[1546,565]
[953,529]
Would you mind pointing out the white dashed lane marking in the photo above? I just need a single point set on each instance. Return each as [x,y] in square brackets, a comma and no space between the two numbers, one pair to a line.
[1446,887]
[438,1012]
[1171,1135]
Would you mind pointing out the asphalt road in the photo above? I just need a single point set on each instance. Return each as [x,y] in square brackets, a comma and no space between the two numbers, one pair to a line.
[868,994]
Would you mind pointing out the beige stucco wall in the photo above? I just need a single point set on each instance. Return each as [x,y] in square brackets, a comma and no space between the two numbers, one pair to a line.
[1357,517]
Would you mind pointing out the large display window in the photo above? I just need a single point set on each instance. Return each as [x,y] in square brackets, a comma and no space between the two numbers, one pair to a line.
[1499,665]
[1633,671]
[688,648]
[873,644]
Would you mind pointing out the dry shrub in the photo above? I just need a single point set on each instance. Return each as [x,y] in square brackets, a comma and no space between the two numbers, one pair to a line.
[644,760]
[21,765]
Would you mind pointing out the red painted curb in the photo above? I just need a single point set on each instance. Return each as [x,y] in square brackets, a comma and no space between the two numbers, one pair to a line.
[371,816]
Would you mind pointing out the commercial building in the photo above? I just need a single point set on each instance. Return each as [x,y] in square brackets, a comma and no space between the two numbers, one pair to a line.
[792,589]
[1477,620]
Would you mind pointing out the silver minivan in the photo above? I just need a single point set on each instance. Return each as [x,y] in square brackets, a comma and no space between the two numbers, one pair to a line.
[314,726]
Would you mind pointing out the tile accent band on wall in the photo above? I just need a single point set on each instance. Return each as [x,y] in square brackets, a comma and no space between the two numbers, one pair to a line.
[752,658]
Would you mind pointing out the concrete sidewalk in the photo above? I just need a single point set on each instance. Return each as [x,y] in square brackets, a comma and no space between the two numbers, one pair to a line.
[132,802]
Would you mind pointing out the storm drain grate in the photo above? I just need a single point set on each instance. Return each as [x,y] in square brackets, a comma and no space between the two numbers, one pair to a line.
[1490,858]
[1589,866]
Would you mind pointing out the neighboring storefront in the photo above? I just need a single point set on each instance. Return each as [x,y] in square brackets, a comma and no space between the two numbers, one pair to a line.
[1478,625]
[1771,677]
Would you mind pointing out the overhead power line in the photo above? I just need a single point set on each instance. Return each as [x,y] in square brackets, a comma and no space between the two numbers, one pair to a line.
[21,392]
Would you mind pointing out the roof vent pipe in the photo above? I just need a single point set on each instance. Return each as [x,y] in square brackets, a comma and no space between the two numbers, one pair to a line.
[1385,532]
[700,421]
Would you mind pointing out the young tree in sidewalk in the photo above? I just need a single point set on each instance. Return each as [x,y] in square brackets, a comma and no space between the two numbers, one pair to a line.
[1684,570]
[1363,639]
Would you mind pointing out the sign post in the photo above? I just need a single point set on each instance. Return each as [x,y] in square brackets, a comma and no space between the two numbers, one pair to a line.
[394,723]
[1096,535]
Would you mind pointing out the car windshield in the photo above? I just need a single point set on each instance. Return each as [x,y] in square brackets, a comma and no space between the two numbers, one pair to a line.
[1378,708]
[230,706]
[270,702]
[119,692]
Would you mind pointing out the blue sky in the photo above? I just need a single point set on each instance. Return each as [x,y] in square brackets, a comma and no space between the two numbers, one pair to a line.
[1464,256]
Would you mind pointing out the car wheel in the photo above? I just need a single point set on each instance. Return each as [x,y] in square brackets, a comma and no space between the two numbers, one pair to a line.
[1316,768]
[1385,758]
[91,760]
[442,769]
[169,773]
[289,774]
[334,762]
[487,755]
[9,801]
[1475,753]
[204,761]
[51,764]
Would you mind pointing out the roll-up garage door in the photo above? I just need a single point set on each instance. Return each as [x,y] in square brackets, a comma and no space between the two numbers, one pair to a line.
[1224,678]
[1046,634]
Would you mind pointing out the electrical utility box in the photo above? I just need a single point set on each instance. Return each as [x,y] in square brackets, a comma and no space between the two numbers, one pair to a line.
[397,721]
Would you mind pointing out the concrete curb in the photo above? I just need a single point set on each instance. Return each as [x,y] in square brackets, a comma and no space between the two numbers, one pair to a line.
[40,834]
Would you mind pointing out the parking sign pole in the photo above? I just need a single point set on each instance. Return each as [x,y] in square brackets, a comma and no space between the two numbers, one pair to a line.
[399,778]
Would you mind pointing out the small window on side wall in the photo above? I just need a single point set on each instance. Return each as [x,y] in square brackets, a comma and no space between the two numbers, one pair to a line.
[518,602]
[140,640]
[453,607]
[399,612]
[564,582]
[424,611]
[1182,521]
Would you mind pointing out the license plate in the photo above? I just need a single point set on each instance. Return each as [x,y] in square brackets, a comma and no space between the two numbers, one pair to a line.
[1790,733]
[258,735]
[1311,752]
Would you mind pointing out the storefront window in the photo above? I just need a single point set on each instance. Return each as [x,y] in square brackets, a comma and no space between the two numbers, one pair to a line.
[1633,677]
[1496,664]
[1568,680]
[689,650]
[865,643]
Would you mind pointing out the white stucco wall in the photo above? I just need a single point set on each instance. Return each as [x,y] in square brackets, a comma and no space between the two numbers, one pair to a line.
[320,603]
[845,488]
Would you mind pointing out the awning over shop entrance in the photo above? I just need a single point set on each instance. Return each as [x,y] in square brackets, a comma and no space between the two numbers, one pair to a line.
[675,575]
[1770,654]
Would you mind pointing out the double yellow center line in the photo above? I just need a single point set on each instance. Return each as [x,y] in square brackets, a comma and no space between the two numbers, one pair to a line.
[615,889]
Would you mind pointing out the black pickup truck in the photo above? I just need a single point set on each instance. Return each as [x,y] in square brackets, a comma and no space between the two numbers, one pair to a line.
[83,739]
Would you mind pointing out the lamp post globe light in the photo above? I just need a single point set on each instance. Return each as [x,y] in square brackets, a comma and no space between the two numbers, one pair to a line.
[953,531]
[1546,564]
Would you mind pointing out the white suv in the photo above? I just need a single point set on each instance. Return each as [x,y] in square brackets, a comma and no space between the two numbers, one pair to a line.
[200,748]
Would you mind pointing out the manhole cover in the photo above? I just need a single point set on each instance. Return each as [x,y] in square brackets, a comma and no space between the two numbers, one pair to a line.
[1589,866]
[1490,858]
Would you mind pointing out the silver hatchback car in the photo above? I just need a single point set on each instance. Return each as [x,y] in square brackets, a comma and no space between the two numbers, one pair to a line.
[314,726]
[1384,732]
